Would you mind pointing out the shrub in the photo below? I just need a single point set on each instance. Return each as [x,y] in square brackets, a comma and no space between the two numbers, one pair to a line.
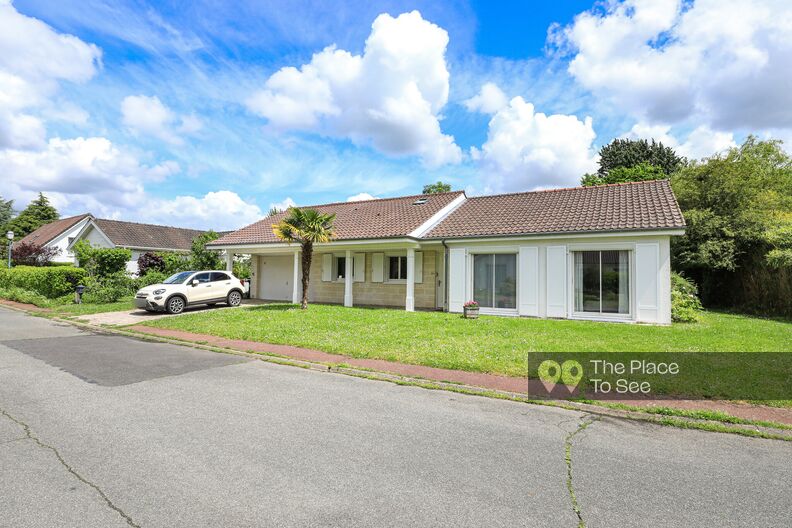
[51,282]
[101,262]
[26,296]
[108,288]
[685,304]
[29,254]
[150,261]
[242,268]
[175,262]
[202,258]
[152,277]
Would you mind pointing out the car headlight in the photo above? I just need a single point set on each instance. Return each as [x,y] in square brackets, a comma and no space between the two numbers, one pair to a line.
[160,291]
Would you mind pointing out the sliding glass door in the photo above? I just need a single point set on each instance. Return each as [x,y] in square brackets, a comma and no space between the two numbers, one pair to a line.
[495,280]
[602,282]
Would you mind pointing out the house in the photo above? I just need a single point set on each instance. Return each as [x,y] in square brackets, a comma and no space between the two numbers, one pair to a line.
[139,238]
[598,253]
[58,234]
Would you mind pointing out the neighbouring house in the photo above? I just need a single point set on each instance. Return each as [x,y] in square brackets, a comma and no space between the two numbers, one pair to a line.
[139,238]
[597,253]
[58,234]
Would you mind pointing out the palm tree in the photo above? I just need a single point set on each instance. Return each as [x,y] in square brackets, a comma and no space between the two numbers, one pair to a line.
[305,227]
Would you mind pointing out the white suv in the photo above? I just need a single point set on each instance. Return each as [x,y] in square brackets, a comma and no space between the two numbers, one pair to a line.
[190,288]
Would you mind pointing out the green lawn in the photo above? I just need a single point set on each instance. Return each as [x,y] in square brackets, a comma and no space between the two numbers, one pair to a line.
[489,344]
[72,309]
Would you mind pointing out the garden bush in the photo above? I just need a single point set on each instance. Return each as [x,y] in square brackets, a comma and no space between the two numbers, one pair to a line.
[51,282]
[149,261]
[685,304]
[152,277]
[175,262]
[101,262]
[14,293]
[109,288]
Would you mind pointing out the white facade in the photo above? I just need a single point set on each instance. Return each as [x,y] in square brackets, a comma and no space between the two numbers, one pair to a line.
[62,241]
[547,284]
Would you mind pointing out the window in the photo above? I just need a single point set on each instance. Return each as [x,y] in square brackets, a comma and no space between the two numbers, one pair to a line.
[602,282]
[218,277]
[495,280]
[341,267]
[397,268]
[202,277]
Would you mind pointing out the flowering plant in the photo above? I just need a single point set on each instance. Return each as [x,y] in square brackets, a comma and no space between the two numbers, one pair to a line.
[471,304]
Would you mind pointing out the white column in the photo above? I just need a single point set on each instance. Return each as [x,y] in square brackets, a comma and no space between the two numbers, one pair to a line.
[229,261]
[348,279]
[409,303]
[254,266]
[297,288]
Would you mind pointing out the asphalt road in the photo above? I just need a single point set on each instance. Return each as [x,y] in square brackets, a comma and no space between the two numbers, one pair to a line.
[107,431]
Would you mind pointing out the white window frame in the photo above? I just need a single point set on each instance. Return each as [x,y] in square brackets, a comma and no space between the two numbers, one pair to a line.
[335,277]
[511,250]
[599,316]
[386,276]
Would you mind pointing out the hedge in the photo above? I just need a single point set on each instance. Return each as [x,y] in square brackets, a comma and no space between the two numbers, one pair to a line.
[51,282]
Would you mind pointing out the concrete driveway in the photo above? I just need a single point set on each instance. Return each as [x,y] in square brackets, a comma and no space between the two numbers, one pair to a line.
[108,431]
[136,316]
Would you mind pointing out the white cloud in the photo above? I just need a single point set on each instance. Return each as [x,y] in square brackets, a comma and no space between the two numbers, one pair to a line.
[389,97]
[489,100]
[149,116]
[724,62]
[701,142]
[282,206]
[22,131]
[527,150]
[219,210]
[34,58]
[360,197]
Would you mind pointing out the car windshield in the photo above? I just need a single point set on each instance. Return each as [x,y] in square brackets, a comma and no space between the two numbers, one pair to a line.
[178,278]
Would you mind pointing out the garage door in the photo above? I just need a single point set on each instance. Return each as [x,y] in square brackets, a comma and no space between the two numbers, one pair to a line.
[275,278]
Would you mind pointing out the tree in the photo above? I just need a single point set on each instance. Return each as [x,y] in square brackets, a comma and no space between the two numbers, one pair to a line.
[6,212]
[738,241]
[202,258]
[305,227]
[30,254]
[641,172]
[630,152]
[434,188]
[38,213]
[274,210]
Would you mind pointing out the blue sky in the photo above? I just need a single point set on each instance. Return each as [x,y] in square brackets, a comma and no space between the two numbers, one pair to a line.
[206,113]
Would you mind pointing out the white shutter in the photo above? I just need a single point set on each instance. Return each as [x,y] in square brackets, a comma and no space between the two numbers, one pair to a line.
[456,279]
[556,281]
[529,281]
[327,267]
[359,267]
[418,267]
[377,266]
[647,269]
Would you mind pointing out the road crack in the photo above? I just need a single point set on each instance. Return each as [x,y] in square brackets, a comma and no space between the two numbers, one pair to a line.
[584,423]
[29,434]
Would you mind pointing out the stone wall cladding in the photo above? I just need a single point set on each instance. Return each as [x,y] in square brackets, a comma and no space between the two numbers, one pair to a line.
[374,293]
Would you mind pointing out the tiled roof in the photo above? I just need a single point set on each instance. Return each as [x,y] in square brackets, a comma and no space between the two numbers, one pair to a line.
[383,218]
[616,207]
[48,232]
[134,235]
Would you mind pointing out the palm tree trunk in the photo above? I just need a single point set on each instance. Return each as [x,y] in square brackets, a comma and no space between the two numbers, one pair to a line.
[307,255]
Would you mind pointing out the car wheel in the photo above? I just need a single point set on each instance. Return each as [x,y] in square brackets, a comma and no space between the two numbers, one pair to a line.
[175,305]
[234,298]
